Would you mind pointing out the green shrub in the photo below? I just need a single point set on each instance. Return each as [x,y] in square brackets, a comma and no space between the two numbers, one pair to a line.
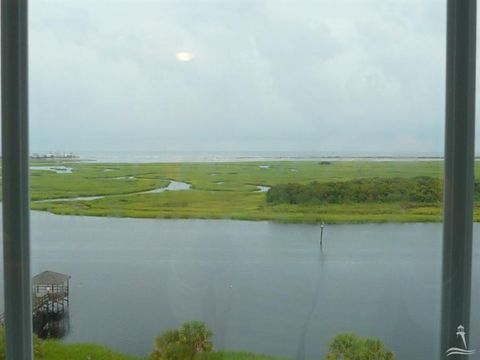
[420,189]
[187,342]
[352,347]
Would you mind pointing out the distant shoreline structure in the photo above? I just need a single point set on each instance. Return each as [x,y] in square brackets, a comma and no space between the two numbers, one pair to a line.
[54,156]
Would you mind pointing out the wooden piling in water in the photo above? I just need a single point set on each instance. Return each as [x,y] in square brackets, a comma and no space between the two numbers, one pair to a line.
[322,226]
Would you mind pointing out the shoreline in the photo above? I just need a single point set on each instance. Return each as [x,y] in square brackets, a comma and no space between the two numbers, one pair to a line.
[123,161]
[348,220]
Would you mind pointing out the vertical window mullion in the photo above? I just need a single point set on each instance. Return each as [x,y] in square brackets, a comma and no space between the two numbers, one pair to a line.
[459,170]
[15,157]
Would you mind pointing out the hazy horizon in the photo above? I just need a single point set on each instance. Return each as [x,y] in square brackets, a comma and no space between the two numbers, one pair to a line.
[240,151]
[141,156]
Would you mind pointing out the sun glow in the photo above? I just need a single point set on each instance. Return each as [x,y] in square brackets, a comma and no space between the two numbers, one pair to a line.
[184,56]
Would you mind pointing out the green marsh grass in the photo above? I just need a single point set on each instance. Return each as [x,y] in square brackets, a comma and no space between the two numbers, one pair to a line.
[56,350]
[226,191]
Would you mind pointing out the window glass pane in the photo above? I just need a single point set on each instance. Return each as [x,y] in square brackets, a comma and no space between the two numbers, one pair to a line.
[270,169]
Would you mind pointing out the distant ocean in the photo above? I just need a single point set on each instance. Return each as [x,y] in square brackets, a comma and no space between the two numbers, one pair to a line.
[239,156]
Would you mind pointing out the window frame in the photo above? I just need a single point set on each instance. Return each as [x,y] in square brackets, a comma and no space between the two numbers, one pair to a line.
[459,174]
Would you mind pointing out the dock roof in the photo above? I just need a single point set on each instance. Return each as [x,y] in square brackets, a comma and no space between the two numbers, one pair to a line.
[50,278]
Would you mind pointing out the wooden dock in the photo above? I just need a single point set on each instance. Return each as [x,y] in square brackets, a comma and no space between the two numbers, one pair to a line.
[50,298]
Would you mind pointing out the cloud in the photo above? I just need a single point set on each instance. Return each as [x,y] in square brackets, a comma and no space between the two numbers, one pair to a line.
[265,75]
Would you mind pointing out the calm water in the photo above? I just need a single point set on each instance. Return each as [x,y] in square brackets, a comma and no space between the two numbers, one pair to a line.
[172,186]
[260,286]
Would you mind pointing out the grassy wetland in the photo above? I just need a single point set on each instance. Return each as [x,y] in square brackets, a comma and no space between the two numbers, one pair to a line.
[228,190]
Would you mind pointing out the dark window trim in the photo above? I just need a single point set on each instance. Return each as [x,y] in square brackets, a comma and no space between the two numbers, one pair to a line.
[459,170]
[15,157]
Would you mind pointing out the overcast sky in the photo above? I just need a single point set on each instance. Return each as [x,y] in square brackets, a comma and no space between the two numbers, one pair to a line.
[358,75]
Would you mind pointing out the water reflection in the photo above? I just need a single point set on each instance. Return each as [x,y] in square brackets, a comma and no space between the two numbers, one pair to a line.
[314,304]
[51,324]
